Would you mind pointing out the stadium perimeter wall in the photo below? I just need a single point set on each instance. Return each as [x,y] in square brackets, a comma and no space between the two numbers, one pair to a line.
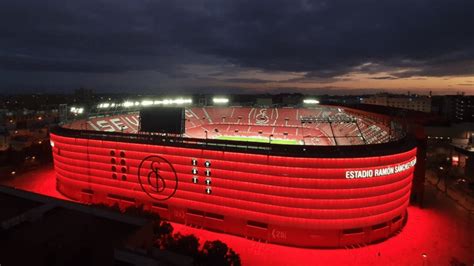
[291,195]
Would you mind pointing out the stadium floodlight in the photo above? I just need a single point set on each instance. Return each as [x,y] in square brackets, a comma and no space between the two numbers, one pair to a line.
[176,101]
[147,103]
[103,105]
[182,101]
[77,110]
[310,101]
[127,104]
[220,100]
[172,101]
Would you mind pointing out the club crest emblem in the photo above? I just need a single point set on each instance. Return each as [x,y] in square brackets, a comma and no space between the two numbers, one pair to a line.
[157,177]
[262,117]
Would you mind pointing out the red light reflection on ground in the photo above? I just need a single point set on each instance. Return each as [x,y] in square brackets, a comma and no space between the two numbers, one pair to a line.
[441,230]
[41,181]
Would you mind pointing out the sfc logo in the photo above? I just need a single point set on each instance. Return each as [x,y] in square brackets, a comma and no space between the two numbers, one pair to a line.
[157,177]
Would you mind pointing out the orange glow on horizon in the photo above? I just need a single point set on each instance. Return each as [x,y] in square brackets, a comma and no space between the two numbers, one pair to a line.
[420,85]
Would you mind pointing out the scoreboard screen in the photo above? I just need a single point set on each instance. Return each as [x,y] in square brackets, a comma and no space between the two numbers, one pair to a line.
[162,120]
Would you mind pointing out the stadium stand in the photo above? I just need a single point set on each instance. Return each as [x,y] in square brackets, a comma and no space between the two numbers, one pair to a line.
[323,125]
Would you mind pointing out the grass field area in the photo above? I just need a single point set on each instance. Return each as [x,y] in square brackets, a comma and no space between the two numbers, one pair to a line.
[262,140]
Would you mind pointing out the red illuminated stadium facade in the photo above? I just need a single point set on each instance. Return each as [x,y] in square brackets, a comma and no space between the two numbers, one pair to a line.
[346,180]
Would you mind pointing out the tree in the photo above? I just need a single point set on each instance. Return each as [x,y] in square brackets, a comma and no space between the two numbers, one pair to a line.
[163,234]
[233,258]
[185,244]
[217,253]
[161,228]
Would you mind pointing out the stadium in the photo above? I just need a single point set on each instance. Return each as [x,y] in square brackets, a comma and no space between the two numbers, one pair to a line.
[322,176]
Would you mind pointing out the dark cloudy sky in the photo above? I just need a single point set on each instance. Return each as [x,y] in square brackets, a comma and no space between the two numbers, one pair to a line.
[155,46]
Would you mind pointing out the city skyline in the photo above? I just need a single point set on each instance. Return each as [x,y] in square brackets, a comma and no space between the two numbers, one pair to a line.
[237,46]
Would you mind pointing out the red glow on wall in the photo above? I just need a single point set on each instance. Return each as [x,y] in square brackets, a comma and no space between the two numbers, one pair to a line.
[289,200]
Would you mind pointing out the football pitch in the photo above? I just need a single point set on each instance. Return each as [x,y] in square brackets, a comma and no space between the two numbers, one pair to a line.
[261,140]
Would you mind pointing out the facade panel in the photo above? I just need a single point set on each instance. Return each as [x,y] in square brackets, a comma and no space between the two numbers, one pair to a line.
[300,201]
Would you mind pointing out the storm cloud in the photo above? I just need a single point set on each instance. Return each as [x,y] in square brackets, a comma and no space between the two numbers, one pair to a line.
[322,39]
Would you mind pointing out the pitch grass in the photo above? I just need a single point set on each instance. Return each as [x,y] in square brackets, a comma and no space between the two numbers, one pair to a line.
[261,140]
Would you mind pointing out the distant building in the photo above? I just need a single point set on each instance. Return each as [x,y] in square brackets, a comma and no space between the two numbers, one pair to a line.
[20,129]
[456,142]
[455,108]
[341,100]
[415,103]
